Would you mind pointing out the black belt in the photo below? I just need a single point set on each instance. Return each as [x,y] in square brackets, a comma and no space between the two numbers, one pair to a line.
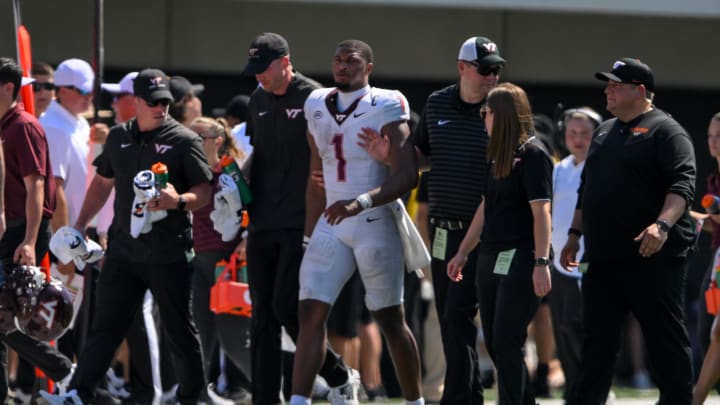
[449,224]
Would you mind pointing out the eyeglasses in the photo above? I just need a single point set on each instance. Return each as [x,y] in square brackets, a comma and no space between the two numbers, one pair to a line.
[164,102]
[37,86]
[484,112]
[120,95]
[79,91]
[485,70]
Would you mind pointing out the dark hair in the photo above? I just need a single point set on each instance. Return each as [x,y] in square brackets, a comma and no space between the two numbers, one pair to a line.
[10,72]
[716,117]
[177,107]
[42,68]
[512,124]
[360,47]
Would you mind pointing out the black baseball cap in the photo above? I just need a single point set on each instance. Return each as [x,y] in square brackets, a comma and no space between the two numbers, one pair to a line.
[263,50]
[181,87]
[152,85]
[237,107]
[629,70]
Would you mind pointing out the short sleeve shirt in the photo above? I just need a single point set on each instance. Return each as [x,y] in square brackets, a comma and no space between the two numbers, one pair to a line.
[25,150]
[508,216]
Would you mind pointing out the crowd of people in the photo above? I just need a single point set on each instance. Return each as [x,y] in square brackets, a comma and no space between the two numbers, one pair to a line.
[517,234]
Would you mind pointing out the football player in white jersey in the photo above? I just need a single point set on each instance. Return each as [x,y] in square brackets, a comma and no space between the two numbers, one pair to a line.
[349,222]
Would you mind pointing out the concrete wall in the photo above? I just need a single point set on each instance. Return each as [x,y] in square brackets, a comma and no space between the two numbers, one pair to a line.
[412,43]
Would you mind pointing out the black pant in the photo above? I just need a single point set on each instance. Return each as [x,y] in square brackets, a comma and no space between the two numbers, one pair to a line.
[274,259]
[120,293]
[37,353]
[507,305]
[457,305]
[565,302]
[232,332]
[653,290]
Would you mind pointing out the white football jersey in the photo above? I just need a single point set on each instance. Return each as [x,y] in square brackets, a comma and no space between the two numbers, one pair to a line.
[348,169]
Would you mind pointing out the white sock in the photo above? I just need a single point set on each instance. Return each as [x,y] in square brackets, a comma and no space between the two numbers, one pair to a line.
[299,400]
[419,401]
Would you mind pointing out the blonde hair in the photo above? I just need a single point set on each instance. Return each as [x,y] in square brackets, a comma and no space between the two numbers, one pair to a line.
[214,128]
[512,124]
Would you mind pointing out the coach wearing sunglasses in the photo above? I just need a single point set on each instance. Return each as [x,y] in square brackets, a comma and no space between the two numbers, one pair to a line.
[452,135]
[156,260]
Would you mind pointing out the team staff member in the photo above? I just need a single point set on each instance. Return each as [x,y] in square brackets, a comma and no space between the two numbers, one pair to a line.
[156,260]
[512,225]
[453,137]
[633,209]
[279,170]
[29,191]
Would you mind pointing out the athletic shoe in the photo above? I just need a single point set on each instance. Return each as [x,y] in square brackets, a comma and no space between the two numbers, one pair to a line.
[19,397]
[210,397]
[71,398]
[346,394]
[61,387]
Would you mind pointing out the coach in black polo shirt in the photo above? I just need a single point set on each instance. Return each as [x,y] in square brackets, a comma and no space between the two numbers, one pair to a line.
[278,177]
[633,208]
[452,135]
[156,260]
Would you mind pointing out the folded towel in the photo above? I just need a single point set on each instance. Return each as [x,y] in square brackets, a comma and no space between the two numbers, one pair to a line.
[414,249]
[68,244]
[141,218]
[227,212]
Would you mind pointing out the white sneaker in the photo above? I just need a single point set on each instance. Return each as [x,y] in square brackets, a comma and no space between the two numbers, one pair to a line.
[168,397]
[19,397]
[71,398]
[610,398]
[346,394]
[213,398]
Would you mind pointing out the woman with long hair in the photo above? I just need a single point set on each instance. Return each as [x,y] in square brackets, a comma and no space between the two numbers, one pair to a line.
[230,331]
[512,228]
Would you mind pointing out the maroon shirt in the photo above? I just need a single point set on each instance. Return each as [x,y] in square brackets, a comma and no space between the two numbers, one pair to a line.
[205,238]
[713,187]
[26,153]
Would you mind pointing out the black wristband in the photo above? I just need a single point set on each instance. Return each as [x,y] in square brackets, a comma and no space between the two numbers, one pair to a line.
[181,203]
[575,231]
[663,225]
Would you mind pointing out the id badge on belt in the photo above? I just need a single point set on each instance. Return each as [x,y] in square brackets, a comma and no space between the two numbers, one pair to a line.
[439,245]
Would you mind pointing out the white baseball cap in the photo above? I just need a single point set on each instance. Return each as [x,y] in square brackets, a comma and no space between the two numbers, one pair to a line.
[76,73]
[125,85]
[26,80]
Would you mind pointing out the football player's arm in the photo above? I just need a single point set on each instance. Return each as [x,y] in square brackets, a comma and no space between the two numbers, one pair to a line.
[314,192]
[403,165]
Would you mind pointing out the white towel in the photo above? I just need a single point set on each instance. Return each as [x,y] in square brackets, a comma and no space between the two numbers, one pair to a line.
[414,249]
[227,212]
[141,218]
[68,244]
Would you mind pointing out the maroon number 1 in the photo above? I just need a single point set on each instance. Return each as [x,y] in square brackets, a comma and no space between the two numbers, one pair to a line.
[341,162]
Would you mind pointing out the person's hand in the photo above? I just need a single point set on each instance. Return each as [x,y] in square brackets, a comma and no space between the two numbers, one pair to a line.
[340,210]
[375,144]
[68,270]
[167,199]
[24,254]
[569,252]
[455,267]
[240,250]
[651,240]
[541,280]
[99,133]
[316,176]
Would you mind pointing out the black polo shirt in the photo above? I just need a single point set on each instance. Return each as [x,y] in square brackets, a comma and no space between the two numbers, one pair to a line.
[128,151]
[630,169]
[508,216]
[277,129]
[452,133]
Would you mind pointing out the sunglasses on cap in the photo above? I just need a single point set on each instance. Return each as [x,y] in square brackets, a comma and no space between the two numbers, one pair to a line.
[43,86]
[486,70]
[164,102]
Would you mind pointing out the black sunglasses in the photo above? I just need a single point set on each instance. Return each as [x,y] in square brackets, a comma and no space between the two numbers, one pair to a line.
[485,70]
[164,102]
[43,86]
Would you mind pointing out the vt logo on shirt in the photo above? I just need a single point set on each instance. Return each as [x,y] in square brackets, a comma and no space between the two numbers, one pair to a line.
[292,113]
[162,148]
